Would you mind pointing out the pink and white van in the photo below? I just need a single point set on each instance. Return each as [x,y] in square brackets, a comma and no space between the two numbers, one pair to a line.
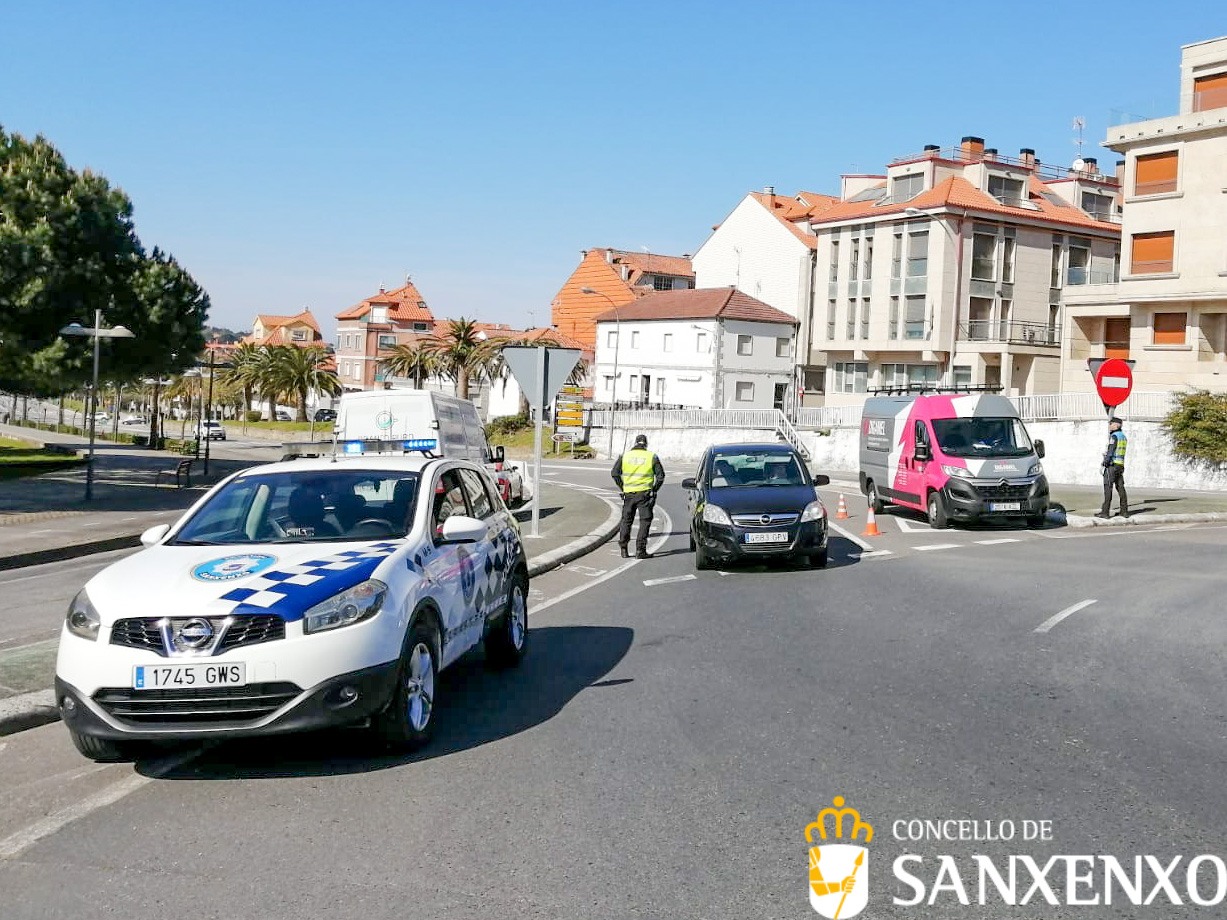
[955,456]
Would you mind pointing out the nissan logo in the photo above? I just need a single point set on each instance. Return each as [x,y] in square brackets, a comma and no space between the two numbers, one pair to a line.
[193,634]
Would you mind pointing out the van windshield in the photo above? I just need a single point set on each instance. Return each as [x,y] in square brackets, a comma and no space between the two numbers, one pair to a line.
[982,437]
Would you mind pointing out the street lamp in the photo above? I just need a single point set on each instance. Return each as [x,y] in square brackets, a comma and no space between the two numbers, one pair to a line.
[98,333]
[613,402]
[958,278]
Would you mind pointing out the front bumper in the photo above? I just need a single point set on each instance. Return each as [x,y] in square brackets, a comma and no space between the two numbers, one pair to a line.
[122,714]
[971,499]
[729,543]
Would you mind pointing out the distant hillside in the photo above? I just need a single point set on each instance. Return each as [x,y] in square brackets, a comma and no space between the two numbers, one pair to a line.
[224,336]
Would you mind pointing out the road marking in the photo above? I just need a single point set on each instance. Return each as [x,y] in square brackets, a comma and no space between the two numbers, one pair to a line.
[997,542]
[94,523]
[134,518]
[1068,611]
[674,579]
[911,527]
[850,536]
[17,843]
[586,570]
[876,552]
[922,549]
[36,532]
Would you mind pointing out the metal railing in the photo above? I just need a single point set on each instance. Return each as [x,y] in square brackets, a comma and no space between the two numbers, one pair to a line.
[829,417]
[686,418]
[1013,332]
[1076,406]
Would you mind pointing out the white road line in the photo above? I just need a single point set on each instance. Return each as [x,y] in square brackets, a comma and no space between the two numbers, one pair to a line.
[674,579]
[850,536]
[16,844]
[911,527]
[876,552]
[36,532]
[1068,611]
[57,574]
[997,542]
[586,570]
[95,523]
[921,549]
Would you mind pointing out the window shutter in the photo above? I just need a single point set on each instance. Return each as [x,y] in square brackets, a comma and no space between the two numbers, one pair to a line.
[1155,173]
[1169,328]
[1209,92]
[1152,252]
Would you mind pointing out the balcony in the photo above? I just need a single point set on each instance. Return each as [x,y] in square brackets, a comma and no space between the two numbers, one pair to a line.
[1077,275]
[1010,333]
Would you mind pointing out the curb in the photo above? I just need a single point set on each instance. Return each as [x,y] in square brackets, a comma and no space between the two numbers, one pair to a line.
[578,547]
[72,551]
[1202,517]
[27,710]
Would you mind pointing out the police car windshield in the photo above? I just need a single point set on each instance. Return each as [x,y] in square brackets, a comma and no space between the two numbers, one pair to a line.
[982,437]
[306,506]
[742,469]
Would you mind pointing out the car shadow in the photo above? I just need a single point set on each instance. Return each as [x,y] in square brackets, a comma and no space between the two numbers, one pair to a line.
[476,706]
[524,513]
[991,525]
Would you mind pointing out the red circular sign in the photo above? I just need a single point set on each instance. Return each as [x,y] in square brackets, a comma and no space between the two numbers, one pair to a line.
[1114,380]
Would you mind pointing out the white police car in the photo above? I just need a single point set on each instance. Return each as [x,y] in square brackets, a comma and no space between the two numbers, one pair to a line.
[297,595]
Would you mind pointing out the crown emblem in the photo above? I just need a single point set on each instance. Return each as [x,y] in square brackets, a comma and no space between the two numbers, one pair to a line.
[839,813]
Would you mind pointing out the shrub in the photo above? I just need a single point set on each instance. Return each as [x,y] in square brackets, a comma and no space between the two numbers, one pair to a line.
[1198,427]
[253,415]
[507,424]
[584,452]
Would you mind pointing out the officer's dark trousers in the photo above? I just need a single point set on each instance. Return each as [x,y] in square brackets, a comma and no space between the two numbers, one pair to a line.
[644,502]
[1114,475]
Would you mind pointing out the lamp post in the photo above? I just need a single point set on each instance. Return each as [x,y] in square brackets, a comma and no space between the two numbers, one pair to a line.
[958,279]
[613,403]
[98,333]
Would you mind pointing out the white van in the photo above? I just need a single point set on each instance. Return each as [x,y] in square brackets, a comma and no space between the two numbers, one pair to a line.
[452,422]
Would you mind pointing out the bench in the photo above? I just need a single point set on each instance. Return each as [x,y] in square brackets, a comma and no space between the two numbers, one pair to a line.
[182,473]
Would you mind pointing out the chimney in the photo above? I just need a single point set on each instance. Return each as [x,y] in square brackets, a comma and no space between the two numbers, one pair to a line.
[1092,166]
[609,256]
[769,190]
[1120,172]
[1027,156]
[971,148]
[990,153]
[931,150]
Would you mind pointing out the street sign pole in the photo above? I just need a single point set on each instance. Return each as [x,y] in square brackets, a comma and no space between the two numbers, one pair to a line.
[539,399]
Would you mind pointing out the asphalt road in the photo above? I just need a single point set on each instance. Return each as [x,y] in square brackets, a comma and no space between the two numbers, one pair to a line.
[669,737]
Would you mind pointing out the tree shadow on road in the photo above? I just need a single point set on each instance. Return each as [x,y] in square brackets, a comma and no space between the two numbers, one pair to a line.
[475,706]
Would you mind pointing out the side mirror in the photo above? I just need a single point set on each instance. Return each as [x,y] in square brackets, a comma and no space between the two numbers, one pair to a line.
[460,528]
[154,534]
[500,455]
[1039,449]
[821,480]
[689,483]
[923,452]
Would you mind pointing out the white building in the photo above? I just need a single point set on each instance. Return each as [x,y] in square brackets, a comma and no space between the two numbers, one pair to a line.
[1168,309]
[703,349]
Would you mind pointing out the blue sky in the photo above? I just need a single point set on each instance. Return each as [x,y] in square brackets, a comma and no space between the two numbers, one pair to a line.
[301,154]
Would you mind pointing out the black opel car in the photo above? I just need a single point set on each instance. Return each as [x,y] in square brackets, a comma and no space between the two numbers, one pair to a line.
[755,501]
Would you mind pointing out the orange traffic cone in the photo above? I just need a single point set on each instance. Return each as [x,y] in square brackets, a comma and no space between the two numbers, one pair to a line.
[842,510]
[871,525]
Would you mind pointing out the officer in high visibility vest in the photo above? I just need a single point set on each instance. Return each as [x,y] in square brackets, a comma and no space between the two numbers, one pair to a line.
[1114,468]
[639,475]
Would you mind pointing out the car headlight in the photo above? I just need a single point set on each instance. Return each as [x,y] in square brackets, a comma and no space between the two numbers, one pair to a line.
[82,619]
[814,511]
[714,514]
[1037,469]
[960,472]
[350,606]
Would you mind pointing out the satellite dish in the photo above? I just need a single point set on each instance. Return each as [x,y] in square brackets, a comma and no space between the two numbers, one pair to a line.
[1078,165]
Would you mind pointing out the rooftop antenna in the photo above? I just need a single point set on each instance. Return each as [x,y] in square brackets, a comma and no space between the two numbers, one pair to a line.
[1079,124]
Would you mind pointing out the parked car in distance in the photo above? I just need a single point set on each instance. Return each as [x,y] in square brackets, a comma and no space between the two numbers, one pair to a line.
[102,417]
[283,416]
[212,431]
[755,501]
[325,415]
[134,420]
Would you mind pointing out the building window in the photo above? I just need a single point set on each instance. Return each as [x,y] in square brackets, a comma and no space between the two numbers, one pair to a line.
[634,385]
[962,375]
[850,377]
[868,273]
[609,383]
[864,317]
[783,347]
[700,343]
[854,260]
[611,339]
[745,391]
[635,339]
[1079,262]
[1009,244]
[340,341]
[909,375]
[896,257]
[1006,190]
[668,342]
[1056,262]
[1169,328]
[1209,92]
[833,274]
[914,322]
[1153,252]
[420,327]
[387,341]
[850,330]
[905,188]
[983,261]
[893,331]
[814,379]
[745,344]
[918,254]
[830,320]
[1098,206]
[662,283]
[1003,322]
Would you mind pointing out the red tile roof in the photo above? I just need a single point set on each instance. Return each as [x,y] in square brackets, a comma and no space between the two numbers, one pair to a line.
[405,305]
[649,263]
[271,321]
[788,210]
[276,330]
[701,303]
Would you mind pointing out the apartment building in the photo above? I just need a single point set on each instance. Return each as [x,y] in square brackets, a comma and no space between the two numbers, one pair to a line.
[300,329]
[704,349]
[375,325]
[608,278]
[1167,311]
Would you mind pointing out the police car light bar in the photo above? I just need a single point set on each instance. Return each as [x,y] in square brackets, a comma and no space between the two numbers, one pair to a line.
[361,448]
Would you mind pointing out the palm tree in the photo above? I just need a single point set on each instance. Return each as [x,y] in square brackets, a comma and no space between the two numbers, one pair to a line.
[267,374]
[301,370]
[244,371]
[462,352]
[414,360]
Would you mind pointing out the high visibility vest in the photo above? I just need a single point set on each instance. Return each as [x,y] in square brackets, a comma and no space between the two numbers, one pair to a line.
[1118,453]
[637,470]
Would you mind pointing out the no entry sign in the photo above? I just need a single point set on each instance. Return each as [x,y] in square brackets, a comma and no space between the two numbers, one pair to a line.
[1114,380]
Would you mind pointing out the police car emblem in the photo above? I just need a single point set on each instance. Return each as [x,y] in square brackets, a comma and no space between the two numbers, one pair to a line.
[229,568]
[468,574]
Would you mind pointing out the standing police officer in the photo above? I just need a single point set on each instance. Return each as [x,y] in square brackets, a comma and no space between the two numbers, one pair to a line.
[639,475]
[1114,468]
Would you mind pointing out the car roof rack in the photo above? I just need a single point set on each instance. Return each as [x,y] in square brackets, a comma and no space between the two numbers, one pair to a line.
[921,389]
[361,447]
